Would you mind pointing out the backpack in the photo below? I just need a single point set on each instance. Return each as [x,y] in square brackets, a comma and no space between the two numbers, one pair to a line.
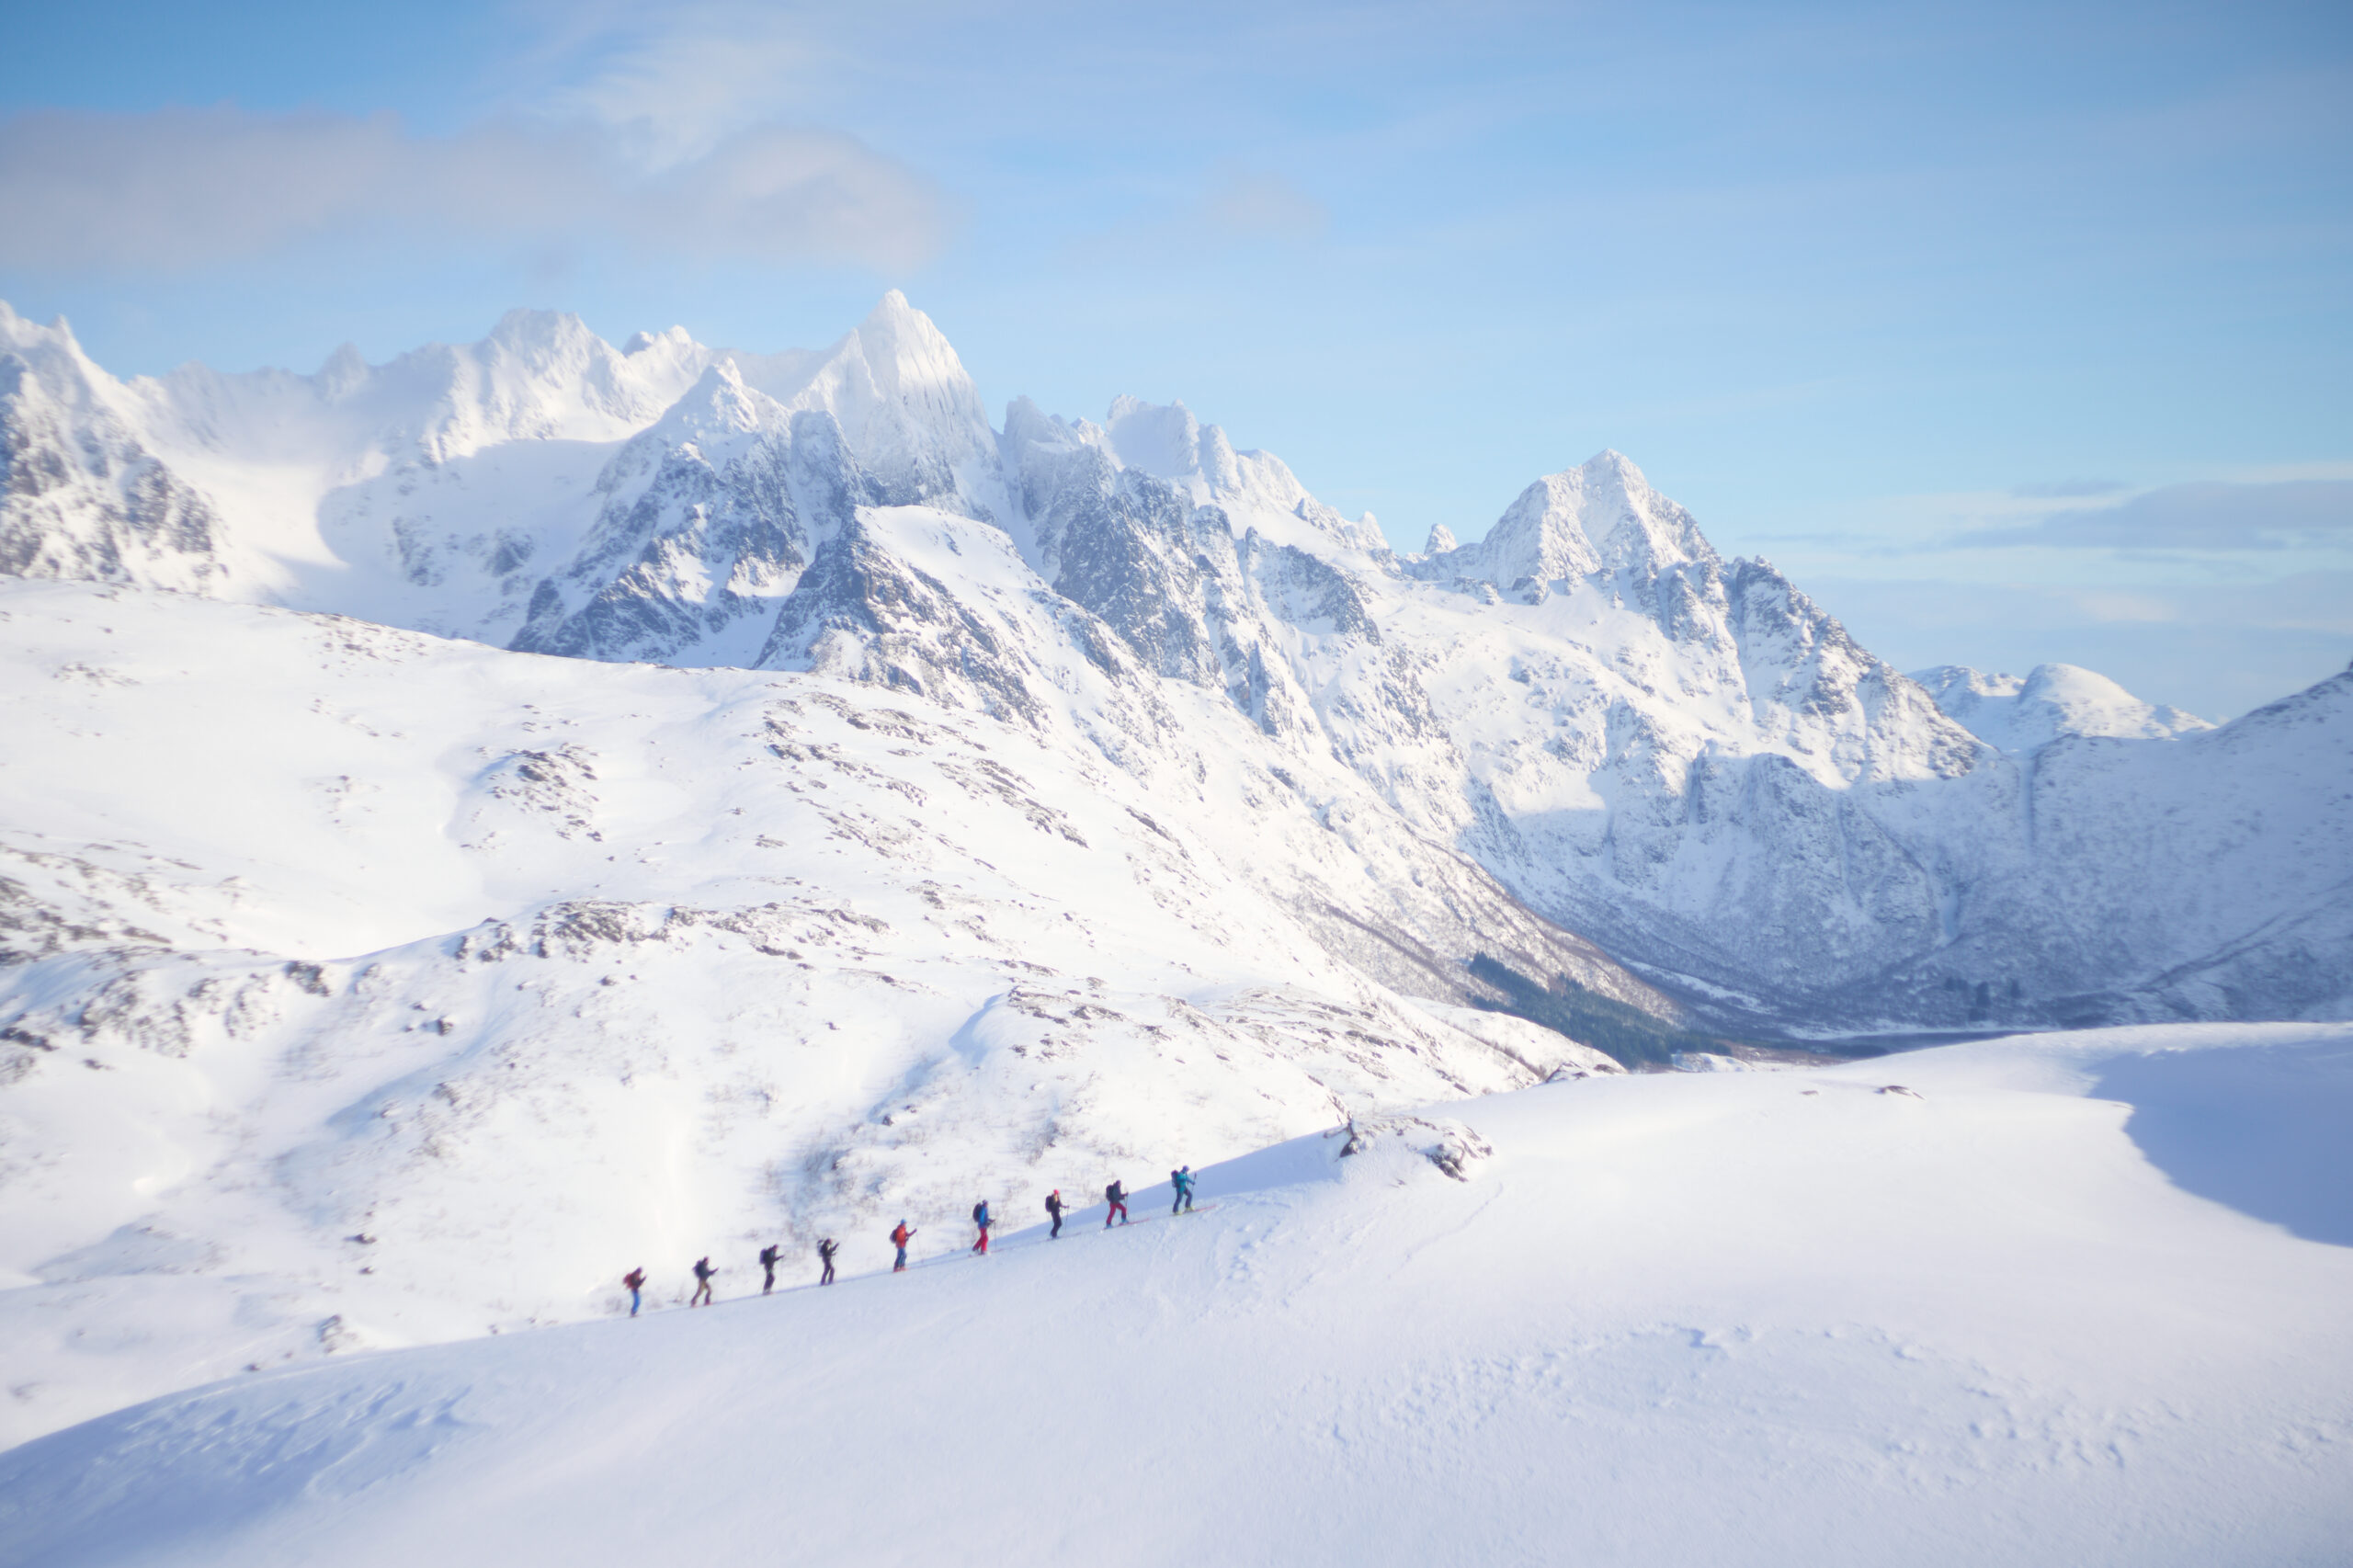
[1176,1178]
[1111,1193]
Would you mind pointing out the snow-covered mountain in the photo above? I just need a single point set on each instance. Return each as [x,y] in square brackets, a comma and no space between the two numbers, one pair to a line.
[2051,700]
[1683,757]
[917,806]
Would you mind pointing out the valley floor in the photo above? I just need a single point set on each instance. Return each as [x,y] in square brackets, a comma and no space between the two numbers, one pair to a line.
[2073,1298]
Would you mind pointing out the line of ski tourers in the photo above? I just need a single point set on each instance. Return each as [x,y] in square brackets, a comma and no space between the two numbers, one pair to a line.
[1180,1182]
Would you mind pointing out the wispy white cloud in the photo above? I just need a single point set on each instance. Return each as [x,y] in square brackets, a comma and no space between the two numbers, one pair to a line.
[181,188]
[676,82]
[2211,514]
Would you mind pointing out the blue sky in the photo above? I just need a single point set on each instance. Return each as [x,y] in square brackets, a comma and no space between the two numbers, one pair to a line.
[2013,332]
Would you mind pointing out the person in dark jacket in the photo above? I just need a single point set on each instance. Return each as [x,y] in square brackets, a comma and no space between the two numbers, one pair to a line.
[768,1254]
[900,1237]
[635,1280]
[1054,1206]
[981,1218]
[1117,1197]
[825,1250]
[703,1271]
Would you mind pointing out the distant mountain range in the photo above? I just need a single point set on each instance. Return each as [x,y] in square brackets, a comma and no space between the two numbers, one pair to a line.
[1681,757]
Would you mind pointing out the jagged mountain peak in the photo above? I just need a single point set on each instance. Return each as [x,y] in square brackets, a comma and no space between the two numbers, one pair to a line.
[56,359]
[893,383]
[20,331]
[1599,517]
[892,310]
[534,333]
[342,372]
[719,400]
[909,358]
[536,375]
[1166,441]
[81,494]
[1026,422]
[1631,524]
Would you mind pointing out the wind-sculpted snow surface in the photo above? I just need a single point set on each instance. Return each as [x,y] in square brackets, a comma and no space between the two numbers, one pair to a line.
[365,988]
[1813,1317]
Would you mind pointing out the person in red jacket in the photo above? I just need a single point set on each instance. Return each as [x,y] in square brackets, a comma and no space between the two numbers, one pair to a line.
[900,1237]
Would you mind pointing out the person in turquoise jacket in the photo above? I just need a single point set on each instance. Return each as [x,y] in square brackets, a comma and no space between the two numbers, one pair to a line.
[1180,1181]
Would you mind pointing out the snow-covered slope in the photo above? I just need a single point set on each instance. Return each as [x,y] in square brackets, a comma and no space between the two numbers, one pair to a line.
[2074,1301]
[2051,702]
[321,930]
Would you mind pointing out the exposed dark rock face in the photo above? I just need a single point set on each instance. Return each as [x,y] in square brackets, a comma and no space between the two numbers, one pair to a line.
[80,497]
[861,613]
[1123,546]
[710,523]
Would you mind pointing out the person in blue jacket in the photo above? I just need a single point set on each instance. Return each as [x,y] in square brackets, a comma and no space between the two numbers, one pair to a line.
[981,1218]
[1180,1182]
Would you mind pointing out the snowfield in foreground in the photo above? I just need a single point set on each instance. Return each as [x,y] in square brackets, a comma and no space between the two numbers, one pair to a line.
[2069,1299]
